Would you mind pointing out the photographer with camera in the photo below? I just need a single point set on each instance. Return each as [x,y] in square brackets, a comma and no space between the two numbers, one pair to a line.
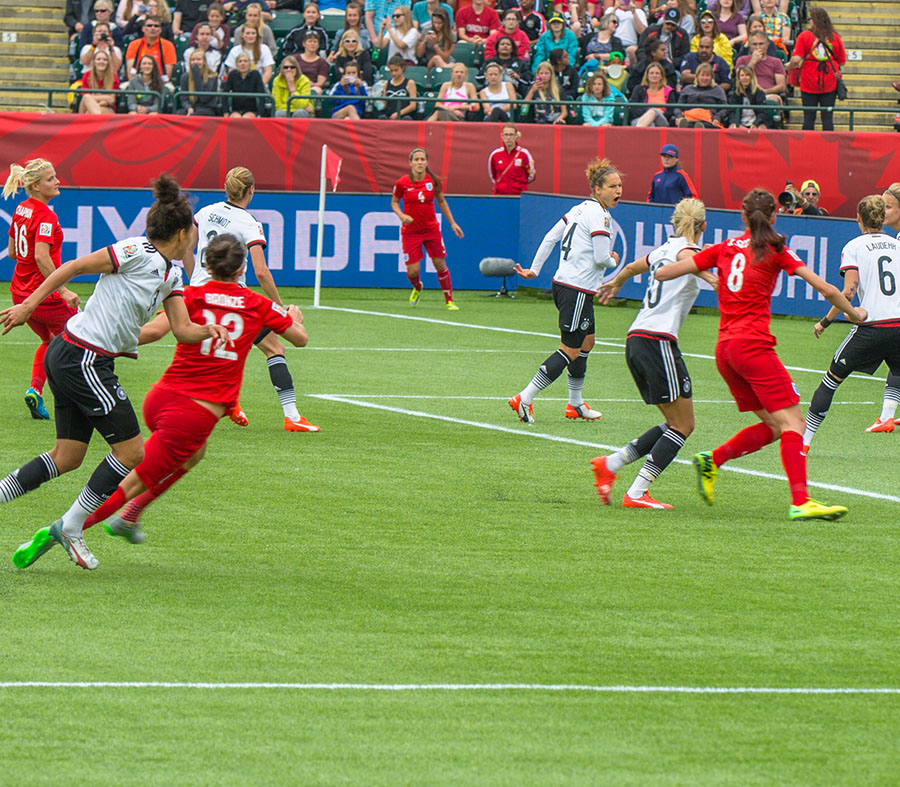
[802,202]
[103,15]
[102,41]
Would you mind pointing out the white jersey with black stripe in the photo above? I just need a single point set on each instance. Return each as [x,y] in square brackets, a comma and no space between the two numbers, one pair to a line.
[217,219]
[124,300]
[876,258]
[666,304]
[577,266]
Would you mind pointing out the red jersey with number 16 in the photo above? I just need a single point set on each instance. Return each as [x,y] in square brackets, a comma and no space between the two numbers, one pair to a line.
[746,285]
[215,375]
[33,223]
[417,197]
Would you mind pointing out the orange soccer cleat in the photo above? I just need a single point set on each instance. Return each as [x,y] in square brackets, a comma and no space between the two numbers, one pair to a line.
[603,478]
[644,501]
[300,425]
[882,426]
[236,414]
[582,411]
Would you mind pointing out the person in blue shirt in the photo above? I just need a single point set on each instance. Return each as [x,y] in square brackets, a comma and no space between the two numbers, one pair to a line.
[346,104]
[671,185]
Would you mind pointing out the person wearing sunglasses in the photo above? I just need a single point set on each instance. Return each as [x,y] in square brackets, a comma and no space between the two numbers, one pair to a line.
[162,51]
[399,34]
[291,81]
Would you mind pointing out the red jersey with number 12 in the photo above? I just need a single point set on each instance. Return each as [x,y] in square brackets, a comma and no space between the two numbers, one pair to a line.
[746,285]
[215,375]
[33,223]
[417,197]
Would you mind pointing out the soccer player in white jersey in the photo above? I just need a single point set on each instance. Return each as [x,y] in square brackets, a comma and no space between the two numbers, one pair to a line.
[585,241]
[655,362]
[870,265]
[137,276]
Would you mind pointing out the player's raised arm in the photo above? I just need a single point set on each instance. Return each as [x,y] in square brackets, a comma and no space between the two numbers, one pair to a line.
[680,268]
[549,242]
[831,294]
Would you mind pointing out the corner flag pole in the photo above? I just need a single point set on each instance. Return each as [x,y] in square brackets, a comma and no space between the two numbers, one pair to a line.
[321,228]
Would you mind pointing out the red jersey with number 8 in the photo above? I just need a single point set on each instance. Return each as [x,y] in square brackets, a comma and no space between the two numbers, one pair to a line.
[215,374]
[417,197]
[746,286]
[33,223]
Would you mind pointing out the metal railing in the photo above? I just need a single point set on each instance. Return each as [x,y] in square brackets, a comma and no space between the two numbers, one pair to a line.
[224,96]
[78,91]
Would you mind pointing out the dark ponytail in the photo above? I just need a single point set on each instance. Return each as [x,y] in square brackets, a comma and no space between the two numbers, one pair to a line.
[759,207]
[170,213]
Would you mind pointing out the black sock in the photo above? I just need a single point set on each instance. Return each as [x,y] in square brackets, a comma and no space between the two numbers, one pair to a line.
[27,478]
[643,445]
[819,406]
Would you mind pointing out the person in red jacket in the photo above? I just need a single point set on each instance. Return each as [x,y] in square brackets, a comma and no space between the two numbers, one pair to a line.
[511,167]
[819,52]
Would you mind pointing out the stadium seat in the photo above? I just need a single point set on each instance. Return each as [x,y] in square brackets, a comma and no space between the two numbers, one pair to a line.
[464,52]
[332,23]
[284,22]
[418,74]
[441,75]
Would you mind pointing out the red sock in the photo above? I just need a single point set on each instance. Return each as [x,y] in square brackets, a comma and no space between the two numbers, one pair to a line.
[38,375]
[113,503]
[744,442]
[414,279]
[133,512]
[446,286]
[794,461]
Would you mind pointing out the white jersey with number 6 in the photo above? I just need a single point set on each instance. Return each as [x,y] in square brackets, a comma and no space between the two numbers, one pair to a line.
[876,258]
[217,219]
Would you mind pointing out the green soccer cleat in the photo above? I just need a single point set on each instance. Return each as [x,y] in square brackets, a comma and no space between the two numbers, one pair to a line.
[414,296]
[451,306]
[812,509]
[706,475]
[130,531]
[30,551]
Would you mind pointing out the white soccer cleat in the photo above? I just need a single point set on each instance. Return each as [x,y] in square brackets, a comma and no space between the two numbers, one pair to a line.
[76,549]
[582,411]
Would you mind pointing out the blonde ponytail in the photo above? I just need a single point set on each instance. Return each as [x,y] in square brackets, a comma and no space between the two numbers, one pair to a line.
[688,219]
[26,177]
[237,183]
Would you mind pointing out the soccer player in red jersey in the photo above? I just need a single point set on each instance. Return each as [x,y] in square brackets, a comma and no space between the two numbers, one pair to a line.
[185,405]
[419,190]
[35,243]
[748,268]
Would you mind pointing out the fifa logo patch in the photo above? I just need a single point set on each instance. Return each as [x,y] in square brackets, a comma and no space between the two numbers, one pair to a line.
[130,250]
[46,228]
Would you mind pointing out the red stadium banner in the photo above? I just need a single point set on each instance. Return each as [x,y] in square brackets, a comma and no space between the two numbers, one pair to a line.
[104,151]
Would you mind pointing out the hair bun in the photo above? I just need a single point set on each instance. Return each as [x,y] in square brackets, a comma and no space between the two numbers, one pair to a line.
[165,188]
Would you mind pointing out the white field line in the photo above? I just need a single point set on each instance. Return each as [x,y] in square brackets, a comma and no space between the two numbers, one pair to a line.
[486,687]
[605,342]
[539,399]
[526,432]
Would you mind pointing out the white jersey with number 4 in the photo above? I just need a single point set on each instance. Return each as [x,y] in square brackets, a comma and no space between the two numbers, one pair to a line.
[125,299]
[217,219]
[876,258]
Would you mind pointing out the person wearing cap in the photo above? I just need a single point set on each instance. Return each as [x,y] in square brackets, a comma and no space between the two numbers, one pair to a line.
[666,30]
[557,37]
[670,185]
[806,199]
[103,12]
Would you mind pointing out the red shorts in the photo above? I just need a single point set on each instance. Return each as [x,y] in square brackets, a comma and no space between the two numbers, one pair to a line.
[756,376]
[413,243]
[49,318]
[180,428]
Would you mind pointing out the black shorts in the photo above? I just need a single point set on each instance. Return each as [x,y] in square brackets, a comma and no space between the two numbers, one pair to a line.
[87,395]
[576,314]
[865,347]
[658,369]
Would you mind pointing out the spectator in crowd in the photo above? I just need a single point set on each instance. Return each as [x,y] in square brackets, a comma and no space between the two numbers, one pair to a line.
[436,44]
[600,101]
[731,22]
[156,8]
[703,90]
[102,42]
[819,54]
[253,18]
[686,10]
[350,49]
[103,14]
[782,6]
[770,74]
[510,166]
[705,54]
[501,95]
[558,36]
[475,22]
[399,34]
[596,46]
[721,44]
[515,70]
[754,25]
[632,22]
[744,7]
[244,79]
[456,96]
[76,17]
[204,38]
[671,184]
[658,53]
[221,37]
[260,55]
[376,11]
[312,64]
[533,23]
[566,75]
[810,193]
[777,24]
[677,42]
[199,77]
[293,41]
[545,90]
[146,79]
[400,93]
[510,28]
[423,11]
[100,77]
[188,14]
[292,82]
[347,105]
[747,93]
[352,21]
[151,44]
[652,90]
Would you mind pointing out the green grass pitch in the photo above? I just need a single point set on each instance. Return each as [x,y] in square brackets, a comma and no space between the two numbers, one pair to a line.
[425,536]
